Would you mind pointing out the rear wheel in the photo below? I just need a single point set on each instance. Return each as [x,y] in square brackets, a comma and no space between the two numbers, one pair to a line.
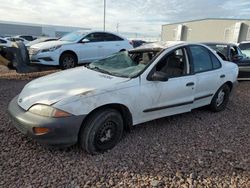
[102,131]
[67,61]
[220,99]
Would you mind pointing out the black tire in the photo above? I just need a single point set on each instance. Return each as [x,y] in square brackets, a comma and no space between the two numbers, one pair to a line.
[67,61]
[220,99]
[102,131]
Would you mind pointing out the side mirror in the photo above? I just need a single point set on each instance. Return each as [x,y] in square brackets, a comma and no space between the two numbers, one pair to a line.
[159,76]
[85,40]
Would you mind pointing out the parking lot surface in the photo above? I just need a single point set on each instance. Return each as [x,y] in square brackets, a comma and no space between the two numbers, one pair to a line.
[197,149]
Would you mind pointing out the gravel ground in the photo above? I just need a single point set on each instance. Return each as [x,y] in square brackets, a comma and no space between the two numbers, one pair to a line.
[198,149]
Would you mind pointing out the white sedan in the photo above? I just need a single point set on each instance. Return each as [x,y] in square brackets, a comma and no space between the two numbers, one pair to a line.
[77,48]
[93,105]
[5,43]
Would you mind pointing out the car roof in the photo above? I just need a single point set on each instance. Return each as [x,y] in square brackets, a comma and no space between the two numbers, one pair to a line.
[219,43]
[161,45]
[97,31]
[244,42]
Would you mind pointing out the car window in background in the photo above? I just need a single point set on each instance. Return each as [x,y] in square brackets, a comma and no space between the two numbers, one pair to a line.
[3,41]
[73,37]
[95,37]
[245,46]
[219,48]
[111,37]
[29,38]
[201,59]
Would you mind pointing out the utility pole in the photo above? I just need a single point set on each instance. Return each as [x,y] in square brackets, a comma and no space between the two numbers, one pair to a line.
[104,21]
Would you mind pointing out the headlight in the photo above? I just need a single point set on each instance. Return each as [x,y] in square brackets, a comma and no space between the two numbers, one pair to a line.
[48,111]
[51,49]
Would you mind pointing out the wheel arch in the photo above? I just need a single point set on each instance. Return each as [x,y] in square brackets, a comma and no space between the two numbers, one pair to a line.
[69,52]
[122,109]
[229,84]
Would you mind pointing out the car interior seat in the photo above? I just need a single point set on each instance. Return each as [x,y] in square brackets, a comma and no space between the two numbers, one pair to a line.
[145,58]
[173,67]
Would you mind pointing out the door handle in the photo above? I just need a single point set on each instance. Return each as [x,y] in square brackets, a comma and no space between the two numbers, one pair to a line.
[222,76]
[190,84]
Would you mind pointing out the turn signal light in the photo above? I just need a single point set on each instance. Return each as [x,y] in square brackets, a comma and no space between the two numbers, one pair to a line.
[40,130]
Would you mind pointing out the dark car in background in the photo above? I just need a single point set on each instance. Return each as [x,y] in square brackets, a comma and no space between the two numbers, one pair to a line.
[231,52]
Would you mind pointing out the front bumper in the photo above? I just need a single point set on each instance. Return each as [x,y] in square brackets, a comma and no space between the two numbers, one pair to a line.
[63,131]
[47,58]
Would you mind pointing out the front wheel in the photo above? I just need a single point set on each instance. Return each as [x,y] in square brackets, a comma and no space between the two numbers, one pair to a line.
[102,131]
[220,99]
[67,61]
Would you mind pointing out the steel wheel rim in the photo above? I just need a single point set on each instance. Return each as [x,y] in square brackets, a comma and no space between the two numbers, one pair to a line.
[220,98]
[106,134]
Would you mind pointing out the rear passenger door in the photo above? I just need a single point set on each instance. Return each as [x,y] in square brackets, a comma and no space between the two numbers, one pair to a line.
[209,76]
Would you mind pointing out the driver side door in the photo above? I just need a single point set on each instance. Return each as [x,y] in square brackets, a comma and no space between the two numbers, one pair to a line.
[174,96]
[88,48]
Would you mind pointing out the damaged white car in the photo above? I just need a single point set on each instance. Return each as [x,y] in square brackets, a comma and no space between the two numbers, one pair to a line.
[93,105]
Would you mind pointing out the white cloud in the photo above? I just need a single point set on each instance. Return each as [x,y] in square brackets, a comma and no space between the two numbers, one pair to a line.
[138,16]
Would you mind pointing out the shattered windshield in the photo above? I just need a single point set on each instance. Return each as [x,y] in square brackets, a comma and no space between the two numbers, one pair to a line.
[125,64]
[72,37]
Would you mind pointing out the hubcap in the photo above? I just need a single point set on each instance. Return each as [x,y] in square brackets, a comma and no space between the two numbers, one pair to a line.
[68,62]
[106,133]
[220,98]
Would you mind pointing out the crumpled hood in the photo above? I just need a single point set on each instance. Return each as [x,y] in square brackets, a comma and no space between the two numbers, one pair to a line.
[49,44]
[58,86]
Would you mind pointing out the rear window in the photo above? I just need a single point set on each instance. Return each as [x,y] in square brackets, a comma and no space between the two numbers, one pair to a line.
[244,46]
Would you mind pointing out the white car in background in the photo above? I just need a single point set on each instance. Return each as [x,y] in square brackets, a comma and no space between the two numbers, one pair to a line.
[77,48]
[40,40]
[5,43]
[17,39]
[93,105]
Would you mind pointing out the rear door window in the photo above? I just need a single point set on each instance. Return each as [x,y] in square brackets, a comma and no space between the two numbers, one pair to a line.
[215,61]
[111,37]
[95,37]
[201,59]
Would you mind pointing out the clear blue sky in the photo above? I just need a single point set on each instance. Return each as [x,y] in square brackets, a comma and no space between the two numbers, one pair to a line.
[137,16]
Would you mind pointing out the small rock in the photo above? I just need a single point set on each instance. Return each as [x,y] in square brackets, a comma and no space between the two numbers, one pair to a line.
[227,151]
[192,176]
[190,181]
[155,183]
